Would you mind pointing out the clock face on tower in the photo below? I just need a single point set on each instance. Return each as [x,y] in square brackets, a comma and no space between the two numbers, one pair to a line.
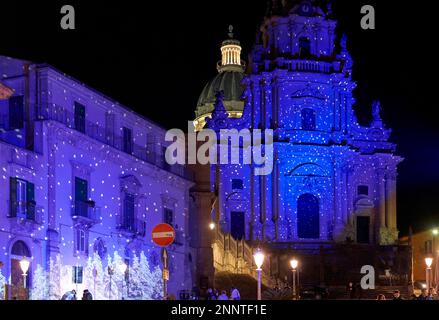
[306,9]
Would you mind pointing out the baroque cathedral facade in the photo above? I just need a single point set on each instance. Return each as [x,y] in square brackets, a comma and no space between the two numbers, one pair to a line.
[333,180]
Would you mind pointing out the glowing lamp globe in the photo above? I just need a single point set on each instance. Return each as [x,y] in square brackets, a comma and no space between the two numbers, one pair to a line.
[294,263]
[24,265]
[428,262]
[123,267]
[259,259]
[211,226]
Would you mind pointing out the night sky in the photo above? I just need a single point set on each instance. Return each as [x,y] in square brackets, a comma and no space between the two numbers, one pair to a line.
[156,57]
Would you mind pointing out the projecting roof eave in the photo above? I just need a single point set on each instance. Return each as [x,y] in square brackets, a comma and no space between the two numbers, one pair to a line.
[5,92]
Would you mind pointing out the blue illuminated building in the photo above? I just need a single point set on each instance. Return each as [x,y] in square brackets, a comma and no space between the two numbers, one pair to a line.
[333,179]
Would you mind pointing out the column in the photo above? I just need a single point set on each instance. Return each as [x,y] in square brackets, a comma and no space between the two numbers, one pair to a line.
[262,204]
[275,196]
[382,198]
[339,219]
[391,201]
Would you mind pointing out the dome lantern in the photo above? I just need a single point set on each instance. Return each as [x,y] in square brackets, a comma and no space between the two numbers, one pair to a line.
[231,55]
[230,74]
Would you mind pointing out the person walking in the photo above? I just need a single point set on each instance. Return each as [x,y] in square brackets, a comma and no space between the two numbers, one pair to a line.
[234,295]
[211,294]
[397,295]
[223,296]
[350,289]
[424,295]
[69,295]
[86,295]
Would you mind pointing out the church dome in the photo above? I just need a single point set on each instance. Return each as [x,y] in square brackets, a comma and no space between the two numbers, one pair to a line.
[230,74]
[230,83]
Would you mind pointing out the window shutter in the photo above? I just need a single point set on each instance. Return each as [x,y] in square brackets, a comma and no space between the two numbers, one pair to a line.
[16,112]
[129,211]
[13,197]
[79,117]
[30,196]
[127,140]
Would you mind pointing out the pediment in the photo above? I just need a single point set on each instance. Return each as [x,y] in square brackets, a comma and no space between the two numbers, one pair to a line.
[308,92]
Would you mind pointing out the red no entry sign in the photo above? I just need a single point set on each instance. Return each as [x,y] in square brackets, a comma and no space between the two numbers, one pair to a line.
[163,234]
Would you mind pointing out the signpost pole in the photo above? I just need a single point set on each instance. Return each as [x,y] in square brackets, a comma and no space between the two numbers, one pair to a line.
[165,274]
[163,235]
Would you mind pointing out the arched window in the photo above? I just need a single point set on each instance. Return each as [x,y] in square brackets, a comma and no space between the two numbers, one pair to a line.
[20,249]
[304,47]
[308,119]
[308,225]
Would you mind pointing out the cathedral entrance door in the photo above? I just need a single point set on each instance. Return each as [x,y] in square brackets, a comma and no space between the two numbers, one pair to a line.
[363,223]
[237,224]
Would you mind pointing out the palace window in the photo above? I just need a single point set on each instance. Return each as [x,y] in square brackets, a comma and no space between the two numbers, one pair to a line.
[77,274]
[81,198]
[428,247]
[308,119]
[79,117]
[81,244]
[237,184]
[168,216]
[127,140]
[16,112]
[128,211]
[237,224]
[22,199]
[308,225]
[363,190]
[304,47]
[100,248]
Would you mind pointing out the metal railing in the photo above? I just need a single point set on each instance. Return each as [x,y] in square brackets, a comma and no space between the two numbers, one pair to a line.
[308,65]
[27,211]
[86,210]
[146,153]
[137,227]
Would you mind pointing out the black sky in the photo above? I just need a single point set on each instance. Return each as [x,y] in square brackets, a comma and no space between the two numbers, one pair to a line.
[156,58]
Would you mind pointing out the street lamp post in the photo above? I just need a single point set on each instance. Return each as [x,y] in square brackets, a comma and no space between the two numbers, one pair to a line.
[24,265]
[294,263]
[123,268]
[435,275]
[428,262]
[259,260]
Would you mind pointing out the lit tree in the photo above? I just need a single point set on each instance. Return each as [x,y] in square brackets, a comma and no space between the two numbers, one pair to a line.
[118,277]
[111,290]
[40,288]
[89,280]
[134,276]
[2,285]
[54,278]
[157,284]
[145,278]
[66,278]
[98,278]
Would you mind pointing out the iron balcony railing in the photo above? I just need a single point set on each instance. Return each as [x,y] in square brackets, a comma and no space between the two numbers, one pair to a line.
[137,227]
[86,210]
[26,210]
[146,153]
